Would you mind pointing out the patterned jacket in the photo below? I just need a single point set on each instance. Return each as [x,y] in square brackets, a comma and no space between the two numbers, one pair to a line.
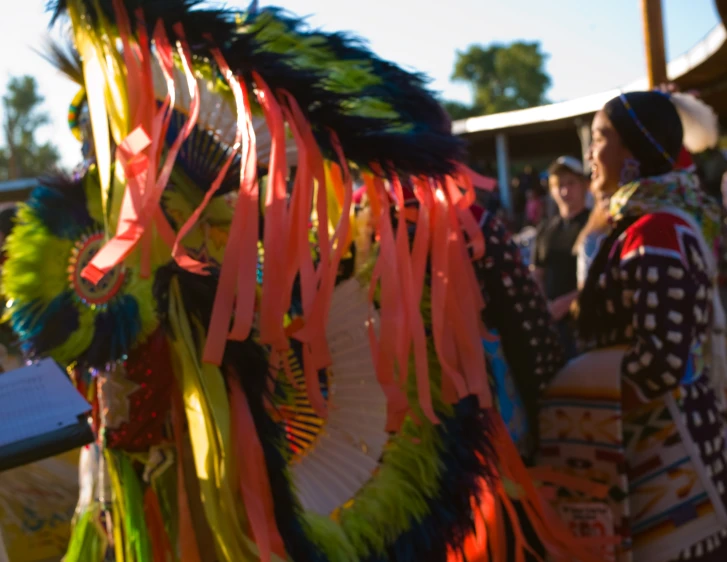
[649,291]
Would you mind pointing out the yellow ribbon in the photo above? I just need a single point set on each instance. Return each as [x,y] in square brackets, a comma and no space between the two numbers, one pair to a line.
[208,418]
[122,548]
[105,84]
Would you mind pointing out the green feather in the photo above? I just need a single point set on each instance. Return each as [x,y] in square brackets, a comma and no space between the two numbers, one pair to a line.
[39,264]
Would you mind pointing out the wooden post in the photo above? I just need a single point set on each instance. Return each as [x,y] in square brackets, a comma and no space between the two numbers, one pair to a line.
[653,21]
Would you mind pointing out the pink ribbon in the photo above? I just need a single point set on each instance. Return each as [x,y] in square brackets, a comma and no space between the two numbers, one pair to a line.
[391,314]
[238,273]
[275,292]
[477,180]
[412,329]
[212,191]
[300,260]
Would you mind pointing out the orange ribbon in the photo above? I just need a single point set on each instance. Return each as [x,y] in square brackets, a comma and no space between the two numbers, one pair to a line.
[446,230]
[477,180]
[238,273]
[300,260]
[160,543]
[383,349]
[558,541]
[212,191]
[441,294]
[275,292]
[341,179]
[141,201]
[412,328]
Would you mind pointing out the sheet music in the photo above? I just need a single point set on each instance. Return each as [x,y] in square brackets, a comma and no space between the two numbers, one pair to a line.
[36,400]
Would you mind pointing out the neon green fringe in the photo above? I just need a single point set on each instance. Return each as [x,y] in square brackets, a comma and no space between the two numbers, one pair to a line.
[88,540]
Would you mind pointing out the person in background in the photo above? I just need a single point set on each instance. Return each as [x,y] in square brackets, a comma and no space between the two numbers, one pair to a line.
[711,165]
[519,201]
[529,179]
[493,203]
[553,260]
[550,209]
[533,208]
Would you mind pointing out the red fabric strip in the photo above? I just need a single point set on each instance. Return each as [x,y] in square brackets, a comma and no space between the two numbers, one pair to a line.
[275,293]
[253,476]
[239,266]
[135,219]
[412,329]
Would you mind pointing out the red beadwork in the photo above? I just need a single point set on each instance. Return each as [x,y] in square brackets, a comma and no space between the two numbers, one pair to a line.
[150,402]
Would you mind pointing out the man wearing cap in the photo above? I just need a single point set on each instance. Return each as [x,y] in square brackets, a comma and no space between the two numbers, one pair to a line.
[554,262]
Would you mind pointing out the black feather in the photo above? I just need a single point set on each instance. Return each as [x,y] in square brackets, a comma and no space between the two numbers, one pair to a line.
[466,439]
[418,141]
[197,23]
[202,155]
[60,202]
[65,58]
[426,147]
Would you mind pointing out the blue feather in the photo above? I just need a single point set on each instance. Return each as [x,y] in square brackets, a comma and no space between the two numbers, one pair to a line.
[42,328]
[60,204]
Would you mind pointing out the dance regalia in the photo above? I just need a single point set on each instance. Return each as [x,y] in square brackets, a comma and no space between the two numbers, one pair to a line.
[267,385]
[645,426]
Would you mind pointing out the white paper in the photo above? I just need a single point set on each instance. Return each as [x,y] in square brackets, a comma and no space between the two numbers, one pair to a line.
[590,519]
[36,400]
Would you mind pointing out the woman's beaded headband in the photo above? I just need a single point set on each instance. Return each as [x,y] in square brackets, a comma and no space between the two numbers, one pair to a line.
[644,130]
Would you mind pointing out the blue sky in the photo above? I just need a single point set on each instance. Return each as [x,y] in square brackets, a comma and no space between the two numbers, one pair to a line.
[593,46]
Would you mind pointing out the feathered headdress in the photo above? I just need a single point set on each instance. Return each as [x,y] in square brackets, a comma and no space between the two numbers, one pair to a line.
[344,401]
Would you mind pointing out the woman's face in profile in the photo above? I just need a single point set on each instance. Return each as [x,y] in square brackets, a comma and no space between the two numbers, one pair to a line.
[606,156]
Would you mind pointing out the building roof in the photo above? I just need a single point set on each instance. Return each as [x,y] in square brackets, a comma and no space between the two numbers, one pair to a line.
[15,190]
[702,64]
[18,185]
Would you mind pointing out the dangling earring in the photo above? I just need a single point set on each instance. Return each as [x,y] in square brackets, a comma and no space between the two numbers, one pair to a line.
[630,171]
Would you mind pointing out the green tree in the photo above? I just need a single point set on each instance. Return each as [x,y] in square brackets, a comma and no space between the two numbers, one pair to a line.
[22,156]
[459,110]
[503,77]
